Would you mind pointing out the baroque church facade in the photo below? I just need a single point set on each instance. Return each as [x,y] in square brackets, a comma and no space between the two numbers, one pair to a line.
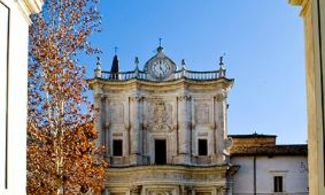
[165,133]
[165,128]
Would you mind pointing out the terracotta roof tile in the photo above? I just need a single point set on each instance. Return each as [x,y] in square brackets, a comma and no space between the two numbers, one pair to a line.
[276,150]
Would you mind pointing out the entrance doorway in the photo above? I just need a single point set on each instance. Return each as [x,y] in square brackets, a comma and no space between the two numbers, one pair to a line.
[160,152]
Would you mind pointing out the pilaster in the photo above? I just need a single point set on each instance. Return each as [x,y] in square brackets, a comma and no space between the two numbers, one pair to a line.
[184,129]
[135,131]
[220,127]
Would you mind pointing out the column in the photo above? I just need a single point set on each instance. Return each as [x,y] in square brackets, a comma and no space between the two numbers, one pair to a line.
[135,131]
[184,129]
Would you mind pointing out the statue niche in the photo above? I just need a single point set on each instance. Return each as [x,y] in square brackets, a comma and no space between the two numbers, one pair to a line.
[159,116]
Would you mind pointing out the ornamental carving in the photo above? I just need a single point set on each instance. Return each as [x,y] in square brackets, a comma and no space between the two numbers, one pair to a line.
[136,189]
[159,193]
[184,98]
[228,143]
[116,113]
[136,98]
[202,114]
[159,115]
[221,97]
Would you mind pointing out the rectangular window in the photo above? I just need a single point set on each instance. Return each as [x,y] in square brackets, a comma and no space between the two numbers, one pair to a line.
[203,147]
[117,148]
[4,65]
[278,183]
[160,152]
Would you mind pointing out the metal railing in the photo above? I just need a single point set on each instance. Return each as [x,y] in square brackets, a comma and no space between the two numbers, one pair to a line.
[180,74]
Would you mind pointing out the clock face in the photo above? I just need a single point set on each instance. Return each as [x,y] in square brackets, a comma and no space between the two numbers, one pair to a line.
[161,69]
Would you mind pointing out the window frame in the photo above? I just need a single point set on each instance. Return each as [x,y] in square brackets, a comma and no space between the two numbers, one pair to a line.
[206,147]
[278,183]
[120,141]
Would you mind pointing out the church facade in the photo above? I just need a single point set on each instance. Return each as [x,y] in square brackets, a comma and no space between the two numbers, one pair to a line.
[165,128]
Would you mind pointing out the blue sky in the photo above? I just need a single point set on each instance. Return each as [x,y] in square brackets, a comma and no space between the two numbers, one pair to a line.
[263,42]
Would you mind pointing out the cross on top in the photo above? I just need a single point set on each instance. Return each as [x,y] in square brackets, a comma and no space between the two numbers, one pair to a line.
[115,50]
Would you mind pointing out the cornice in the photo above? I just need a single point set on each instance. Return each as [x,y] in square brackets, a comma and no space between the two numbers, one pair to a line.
[295,2]
[29,7]
[163,86]
[214,169]
[303,3]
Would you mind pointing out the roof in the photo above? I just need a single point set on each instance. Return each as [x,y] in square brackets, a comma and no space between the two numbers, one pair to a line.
[276,150]
[115,65]
[251,135]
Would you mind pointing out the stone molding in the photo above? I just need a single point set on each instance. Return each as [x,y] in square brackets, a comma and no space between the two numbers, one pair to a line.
[29,7]
[167,173]
[225,84]
[221,97]
[303,3]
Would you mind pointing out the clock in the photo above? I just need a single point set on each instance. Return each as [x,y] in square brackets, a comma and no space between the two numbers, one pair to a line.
[161,69]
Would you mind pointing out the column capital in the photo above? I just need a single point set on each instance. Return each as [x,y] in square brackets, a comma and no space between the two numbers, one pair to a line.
[220,97]
[135,189]
[136,98]
[184,98]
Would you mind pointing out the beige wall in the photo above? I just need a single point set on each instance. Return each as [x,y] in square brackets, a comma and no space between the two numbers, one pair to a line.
[313,13]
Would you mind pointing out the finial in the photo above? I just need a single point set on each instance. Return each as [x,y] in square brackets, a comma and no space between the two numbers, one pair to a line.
[160,48]
[183,64]
[222,70]
[221,59]
[136,62]
[98,63]
[98,70]
[115,50]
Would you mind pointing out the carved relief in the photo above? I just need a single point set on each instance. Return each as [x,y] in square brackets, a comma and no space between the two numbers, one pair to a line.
[184,98]
[202,113]
[136,189]
[221,97]
[159,115]
[116,113]
[159,193]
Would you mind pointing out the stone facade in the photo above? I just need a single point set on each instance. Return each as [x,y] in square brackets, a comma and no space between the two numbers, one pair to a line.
[179,107]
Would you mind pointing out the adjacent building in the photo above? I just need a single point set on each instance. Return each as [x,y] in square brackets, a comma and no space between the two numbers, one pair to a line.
[268,168]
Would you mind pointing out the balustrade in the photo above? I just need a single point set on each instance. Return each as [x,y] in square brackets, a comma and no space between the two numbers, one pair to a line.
[180,74]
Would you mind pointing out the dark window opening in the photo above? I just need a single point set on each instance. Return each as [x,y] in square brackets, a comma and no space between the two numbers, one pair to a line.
[278,183]
[160,152]
[117,148]
[203,147]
